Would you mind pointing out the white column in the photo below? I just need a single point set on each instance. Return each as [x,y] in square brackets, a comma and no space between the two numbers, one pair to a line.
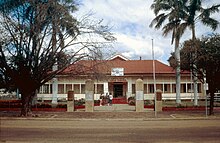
[147,89]
[129,88]
[105,87]
[64,88]
[171,88]
[54,90]
[80,88]
[54,86]
[163,87]
[95,90]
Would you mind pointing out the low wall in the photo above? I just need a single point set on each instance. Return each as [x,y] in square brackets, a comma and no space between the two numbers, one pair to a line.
[166,96]
[64,96]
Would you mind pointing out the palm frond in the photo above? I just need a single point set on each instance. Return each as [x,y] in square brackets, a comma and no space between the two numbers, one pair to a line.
[206,19]
[213,9]
[181,29]
[210,22]
[158,21]
[168,28]
[157,7]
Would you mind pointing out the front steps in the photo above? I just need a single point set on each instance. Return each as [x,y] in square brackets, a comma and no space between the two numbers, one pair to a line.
[119,100]
[115,108]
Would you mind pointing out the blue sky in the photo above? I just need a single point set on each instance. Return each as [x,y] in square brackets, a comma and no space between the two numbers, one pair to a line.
[130,21]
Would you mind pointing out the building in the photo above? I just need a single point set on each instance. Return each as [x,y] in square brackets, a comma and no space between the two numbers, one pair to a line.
[117,76]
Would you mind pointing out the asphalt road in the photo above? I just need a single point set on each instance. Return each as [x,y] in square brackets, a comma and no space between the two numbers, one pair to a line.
[109,131]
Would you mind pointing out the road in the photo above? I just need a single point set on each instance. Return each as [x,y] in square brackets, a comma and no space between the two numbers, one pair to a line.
[109,131]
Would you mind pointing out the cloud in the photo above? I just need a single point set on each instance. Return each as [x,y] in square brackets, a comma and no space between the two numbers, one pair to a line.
[130,21]
[135,47]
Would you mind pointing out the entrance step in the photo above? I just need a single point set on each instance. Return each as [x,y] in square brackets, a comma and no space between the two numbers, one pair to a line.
[115,107]
[120,100]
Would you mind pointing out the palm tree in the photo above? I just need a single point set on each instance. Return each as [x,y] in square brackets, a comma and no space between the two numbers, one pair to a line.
[187,13]
[172,11]
[195,13]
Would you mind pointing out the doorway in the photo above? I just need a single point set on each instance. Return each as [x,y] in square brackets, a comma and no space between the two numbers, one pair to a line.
[118,90]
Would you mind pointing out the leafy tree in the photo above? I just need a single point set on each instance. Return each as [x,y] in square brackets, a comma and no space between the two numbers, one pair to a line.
[179,15]
[196,13]
[36,35]
[171,12]
[207,61]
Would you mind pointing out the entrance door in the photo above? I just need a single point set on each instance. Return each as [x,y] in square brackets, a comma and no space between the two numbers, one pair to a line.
[118,90]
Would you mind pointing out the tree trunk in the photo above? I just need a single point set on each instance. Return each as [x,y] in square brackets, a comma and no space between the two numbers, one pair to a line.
[195,85]
[212,91]
[212,94]
[55,66]
[195,78]
[27,103]
[211,107]
[177,57]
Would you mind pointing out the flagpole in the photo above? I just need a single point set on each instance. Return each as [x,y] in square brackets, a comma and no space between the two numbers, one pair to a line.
[154,78]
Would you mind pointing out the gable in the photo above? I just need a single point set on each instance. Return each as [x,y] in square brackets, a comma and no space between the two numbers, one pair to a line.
[118,57]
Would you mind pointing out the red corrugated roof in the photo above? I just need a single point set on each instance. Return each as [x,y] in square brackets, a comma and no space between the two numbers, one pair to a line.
[130,67]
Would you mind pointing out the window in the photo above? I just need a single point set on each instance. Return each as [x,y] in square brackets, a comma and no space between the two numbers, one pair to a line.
[145,88]
[133,88]
[68,87]
[83,89]
[151,87]
[159,86]
[183,88]
[189,88]
[173,88]
[45,89]
[199,88]
[60,88]
[100,88]
[166,86]
[76,88]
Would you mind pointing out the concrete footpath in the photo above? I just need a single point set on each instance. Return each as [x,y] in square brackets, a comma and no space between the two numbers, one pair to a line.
[114,112]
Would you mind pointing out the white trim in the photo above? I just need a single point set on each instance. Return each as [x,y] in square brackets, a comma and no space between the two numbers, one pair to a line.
[120,56]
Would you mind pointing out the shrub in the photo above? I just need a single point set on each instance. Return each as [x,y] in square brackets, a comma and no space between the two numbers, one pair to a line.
[79,102]
[61,106]
[10,104]
[44,105]
[96,101]
[148,102]
[131,100]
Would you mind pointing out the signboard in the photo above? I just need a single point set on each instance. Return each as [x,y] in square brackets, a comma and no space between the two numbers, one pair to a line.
[139,95]
[117,72]
[206,86]
[89,96]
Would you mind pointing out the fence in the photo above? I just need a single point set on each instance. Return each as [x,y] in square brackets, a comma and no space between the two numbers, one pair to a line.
[216,97]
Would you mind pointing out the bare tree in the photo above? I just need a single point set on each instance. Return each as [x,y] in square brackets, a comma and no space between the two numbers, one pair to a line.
[38,35]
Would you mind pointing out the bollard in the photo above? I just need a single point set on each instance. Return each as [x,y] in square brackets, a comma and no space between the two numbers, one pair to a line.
[70,101]
[139,95]
[89,96]
[159,100]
